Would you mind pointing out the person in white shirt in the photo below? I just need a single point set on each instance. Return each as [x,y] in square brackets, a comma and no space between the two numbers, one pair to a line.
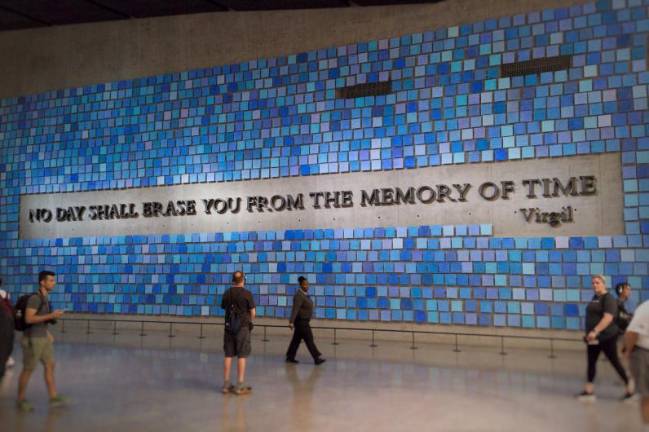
[636,349]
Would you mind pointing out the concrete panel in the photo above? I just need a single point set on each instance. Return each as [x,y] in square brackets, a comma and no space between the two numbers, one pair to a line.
[438,195]
[70,56]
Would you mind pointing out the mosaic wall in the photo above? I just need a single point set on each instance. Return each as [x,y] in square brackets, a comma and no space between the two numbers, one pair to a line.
[280,117]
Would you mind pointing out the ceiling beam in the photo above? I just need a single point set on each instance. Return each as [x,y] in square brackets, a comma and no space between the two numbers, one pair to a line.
[24,15]
[108,8]
[217,3]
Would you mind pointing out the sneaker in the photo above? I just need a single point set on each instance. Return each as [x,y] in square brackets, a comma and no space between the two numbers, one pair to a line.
[586,397]
[11,362]
[227,389]
[25,406]
[319,361]
[58,401]
[288,360]
[630,387]
[629,397]
[242,390]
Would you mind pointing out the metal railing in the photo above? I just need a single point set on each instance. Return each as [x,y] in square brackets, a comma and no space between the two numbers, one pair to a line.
[372,332]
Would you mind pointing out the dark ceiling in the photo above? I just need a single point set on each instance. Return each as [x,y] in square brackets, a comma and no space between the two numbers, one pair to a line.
[21,14]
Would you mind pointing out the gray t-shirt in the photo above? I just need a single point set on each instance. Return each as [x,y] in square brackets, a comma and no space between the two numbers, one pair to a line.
[42,307]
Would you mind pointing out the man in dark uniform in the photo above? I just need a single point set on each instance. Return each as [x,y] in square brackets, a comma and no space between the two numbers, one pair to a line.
[623,318]
[239,308]
[300,323]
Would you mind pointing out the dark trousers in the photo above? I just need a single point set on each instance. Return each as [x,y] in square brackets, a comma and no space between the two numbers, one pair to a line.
[609,347]
[302,331]
[6,343]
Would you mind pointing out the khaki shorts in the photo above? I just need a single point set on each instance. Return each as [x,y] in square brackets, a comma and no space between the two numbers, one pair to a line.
[38,349]
[237,345]
[639,369]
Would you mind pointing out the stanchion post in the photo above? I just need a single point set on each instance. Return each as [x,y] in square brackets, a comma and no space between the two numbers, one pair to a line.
[552,356]
[171,330]
[88,326]
[115,328]
[502,346]
[142,329]
[413,346]
[62,326]
[373,345]
[335,342]
[457,347]
[265,339]
[201,335]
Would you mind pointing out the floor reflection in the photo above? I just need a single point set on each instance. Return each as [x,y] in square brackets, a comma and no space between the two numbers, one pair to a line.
[303,389]
[129,383]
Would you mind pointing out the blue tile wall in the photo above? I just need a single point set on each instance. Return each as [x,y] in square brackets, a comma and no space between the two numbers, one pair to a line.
[279,117]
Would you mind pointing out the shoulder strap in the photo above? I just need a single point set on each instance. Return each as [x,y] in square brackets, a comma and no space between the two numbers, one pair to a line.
[621,308]
[40,297]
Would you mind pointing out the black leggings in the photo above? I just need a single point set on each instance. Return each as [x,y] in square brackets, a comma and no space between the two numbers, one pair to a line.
[609,347]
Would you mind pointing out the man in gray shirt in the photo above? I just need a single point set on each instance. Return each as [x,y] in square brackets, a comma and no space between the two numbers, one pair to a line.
[38,343]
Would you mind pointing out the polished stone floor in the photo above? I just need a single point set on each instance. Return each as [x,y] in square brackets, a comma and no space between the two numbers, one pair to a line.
[154,383]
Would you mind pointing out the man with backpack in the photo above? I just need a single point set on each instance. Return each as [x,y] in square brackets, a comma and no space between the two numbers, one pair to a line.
[239,309]
[6,331]
[32,317]
[623,318]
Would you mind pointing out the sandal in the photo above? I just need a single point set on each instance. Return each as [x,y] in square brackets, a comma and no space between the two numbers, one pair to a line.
[242,390]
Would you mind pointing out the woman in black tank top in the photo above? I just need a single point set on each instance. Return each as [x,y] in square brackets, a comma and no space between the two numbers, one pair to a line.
[601,336]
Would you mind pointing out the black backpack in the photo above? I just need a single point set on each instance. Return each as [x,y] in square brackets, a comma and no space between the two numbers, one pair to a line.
[623,318]
[232,318]
[20,312]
